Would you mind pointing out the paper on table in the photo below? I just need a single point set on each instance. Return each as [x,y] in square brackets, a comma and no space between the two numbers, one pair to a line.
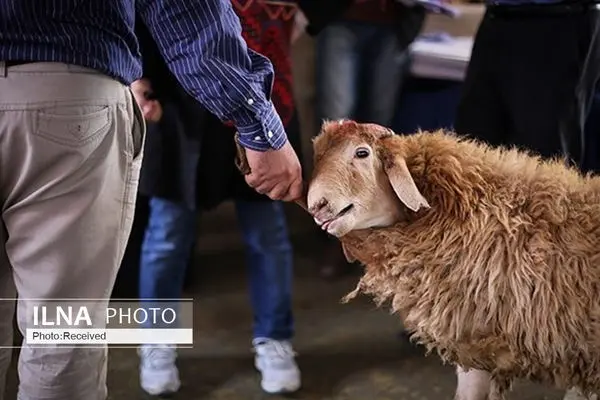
[452,48]
[445,58]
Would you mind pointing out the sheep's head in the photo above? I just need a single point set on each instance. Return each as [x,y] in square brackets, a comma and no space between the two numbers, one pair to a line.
[358,181]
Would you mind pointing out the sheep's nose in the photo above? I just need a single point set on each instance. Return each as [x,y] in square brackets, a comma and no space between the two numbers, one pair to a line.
[318,208]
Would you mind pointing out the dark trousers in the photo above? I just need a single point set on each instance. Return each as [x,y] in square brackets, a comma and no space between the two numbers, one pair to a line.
[531,78]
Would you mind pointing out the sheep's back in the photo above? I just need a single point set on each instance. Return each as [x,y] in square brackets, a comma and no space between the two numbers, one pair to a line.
[503,303]
[510,287]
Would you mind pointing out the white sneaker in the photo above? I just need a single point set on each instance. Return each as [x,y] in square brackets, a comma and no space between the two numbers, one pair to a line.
[276,362]
[158,373]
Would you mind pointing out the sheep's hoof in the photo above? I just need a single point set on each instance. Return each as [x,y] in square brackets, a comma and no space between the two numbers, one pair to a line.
[575,394]
[496,395]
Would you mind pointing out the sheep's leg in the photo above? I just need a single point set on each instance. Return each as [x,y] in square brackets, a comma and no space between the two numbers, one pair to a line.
[575,394]
[473,384]
[497,390]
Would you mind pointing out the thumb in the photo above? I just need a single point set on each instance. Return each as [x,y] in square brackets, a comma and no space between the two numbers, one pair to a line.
[148,109]
[253,180]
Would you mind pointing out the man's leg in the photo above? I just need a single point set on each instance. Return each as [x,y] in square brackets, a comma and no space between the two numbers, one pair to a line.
[71,148]
[550,84]
[270,261]
[168,240]
[336,72]
[385,65]
[481,112]
[7,308]
[472,384]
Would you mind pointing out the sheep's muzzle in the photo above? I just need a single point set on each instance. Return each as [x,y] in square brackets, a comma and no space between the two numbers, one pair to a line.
[324,210]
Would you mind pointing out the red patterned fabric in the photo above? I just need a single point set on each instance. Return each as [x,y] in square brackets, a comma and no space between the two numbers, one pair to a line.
[267,28]
[382,11]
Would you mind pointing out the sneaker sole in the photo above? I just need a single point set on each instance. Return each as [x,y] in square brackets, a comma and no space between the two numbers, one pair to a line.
[170,392]
[276,389]
[167,391]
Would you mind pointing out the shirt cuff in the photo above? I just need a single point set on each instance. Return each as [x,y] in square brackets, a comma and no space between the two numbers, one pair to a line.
[261,132]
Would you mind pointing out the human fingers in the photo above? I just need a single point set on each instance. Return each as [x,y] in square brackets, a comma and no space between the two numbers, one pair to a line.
[139,88]
[141,85]
[295,191]
[152,111]
[266,187]
[257,182]
[144,97]
[279,191]
[141,101]
[157,115]
[147,110]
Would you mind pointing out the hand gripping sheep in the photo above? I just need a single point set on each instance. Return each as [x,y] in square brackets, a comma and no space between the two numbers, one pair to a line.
[490,256]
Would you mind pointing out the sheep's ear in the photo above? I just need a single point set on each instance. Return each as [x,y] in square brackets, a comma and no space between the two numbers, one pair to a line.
[404,185]
[349,257]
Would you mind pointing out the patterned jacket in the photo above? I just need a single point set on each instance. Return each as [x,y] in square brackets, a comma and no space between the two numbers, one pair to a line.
[267,28]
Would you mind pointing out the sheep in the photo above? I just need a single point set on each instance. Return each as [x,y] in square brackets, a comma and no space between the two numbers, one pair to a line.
[491,256]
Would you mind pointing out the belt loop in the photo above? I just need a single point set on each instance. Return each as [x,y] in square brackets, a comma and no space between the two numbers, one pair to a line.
[2,69]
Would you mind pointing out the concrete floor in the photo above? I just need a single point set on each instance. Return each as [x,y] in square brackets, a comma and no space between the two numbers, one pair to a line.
[346,352]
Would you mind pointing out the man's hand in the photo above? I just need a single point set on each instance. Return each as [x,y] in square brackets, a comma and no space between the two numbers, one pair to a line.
[276,173]
[151,108]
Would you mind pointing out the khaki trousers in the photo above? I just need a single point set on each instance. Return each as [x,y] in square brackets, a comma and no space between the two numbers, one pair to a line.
[71,145]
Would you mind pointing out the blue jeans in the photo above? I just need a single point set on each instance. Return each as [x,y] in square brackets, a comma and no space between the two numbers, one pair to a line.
[168,242]
[360,68]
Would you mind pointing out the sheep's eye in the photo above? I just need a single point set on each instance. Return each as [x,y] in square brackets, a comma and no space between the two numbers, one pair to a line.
[361,152]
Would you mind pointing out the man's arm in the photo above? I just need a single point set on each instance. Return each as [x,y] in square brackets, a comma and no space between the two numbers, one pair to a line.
[202,44]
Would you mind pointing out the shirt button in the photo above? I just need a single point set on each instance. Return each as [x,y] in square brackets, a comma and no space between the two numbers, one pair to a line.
[270,134]
[257,138]
[250,101]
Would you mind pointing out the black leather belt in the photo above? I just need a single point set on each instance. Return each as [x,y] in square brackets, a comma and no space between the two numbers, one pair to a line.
[541,9]
[14,63]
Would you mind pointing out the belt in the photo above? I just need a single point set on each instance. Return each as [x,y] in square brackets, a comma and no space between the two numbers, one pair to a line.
[562,8]
[14,63]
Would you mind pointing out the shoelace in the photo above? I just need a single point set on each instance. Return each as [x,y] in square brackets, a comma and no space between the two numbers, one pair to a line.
[274,350]
[159,356]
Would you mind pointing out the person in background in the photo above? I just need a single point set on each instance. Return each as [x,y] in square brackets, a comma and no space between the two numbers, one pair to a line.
[362,59]
[189,148]
[71,139]
[528,86]
[531,79]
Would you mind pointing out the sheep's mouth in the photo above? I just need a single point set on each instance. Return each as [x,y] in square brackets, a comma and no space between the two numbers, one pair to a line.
[344,211]
[326,224]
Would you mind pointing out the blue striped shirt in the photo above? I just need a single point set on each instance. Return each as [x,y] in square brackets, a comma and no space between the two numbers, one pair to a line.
[520,2]
[200,40]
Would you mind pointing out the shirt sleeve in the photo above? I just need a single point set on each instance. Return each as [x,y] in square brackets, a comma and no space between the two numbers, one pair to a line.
[201,42]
